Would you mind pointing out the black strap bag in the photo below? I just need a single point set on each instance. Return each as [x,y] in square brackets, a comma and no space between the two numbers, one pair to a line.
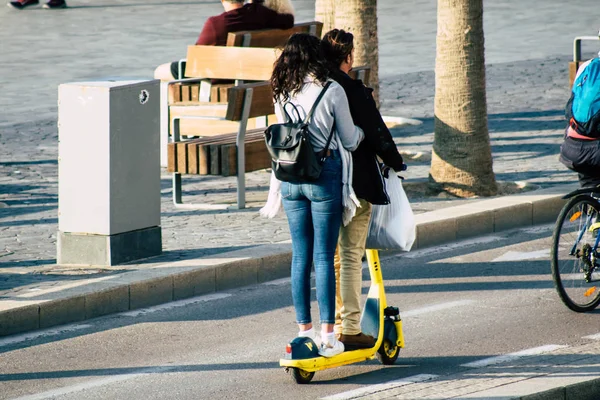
[292,156]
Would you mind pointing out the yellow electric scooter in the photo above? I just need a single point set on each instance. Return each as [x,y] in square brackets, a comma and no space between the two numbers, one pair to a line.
[378,320]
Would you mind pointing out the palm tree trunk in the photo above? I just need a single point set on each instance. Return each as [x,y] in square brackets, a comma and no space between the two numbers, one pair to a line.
[360,18]
[461,160]
[325,12]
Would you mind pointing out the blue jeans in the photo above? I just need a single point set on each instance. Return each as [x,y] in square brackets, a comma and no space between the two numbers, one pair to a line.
[314,213]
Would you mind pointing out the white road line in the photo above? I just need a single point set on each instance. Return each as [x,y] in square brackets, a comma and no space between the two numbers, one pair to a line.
[278,282]
[593,337]
[436,307]
[174,304]
[449,247]
[539,229]
[522,255]
[512,356]
[95,383]
[363,391]
[41,334]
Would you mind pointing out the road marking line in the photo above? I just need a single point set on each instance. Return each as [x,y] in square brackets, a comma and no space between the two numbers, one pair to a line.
[593,337]
[174,304]
[95,383]
[40,334]
[363,391]
[523,255]
[513,356]
[278,282]
[449,247]
[436,307]
[539,229]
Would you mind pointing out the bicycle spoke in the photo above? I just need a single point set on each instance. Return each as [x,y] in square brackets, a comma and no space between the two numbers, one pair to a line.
[574,254]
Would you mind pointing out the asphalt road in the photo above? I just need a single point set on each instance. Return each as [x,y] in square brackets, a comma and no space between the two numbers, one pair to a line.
[460,303]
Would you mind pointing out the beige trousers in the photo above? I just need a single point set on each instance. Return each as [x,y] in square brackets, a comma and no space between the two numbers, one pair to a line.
[348,271]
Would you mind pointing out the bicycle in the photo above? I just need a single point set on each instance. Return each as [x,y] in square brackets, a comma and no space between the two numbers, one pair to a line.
[575,257]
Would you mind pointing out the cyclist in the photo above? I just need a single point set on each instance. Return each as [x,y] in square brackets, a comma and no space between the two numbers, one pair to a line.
[580,152]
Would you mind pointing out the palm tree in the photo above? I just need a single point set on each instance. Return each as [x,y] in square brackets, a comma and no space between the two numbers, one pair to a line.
[461,161]
[325,12]
[360,18]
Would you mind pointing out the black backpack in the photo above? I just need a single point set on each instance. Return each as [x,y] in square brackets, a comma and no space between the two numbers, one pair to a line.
[292,156]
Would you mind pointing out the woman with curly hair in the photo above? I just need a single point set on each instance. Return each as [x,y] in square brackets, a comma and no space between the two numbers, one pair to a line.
[315,210]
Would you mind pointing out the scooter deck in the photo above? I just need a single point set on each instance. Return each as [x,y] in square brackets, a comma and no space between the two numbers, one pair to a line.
[321,363]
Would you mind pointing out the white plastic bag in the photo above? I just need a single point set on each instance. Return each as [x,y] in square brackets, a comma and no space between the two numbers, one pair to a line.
[392,226]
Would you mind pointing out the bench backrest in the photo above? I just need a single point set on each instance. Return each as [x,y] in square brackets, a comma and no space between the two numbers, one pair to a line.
[261,104]
[235,63]
[272,37]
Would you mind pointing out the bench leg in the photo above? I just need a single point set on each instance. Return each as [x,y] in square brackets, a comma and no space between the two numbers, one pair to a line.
[177,189]
[241,150]
[178,199]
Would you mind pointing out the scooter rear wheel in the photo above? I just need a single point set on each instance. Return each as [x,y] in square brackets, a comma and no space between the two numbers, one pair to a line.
[301,376]
[388,352]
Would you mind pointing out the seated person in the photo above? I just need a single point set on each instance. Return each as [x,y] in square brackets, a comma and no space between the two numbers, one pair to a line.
[237,17]
[580,151]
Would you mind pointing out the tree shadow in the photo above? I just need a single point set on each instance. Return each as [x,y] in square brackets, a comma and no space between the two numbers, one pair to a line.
[497,123]
[38,162]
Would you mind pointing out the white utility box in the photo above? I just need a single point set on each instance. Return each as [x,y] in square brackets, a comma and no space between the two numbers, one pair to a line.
[108,172]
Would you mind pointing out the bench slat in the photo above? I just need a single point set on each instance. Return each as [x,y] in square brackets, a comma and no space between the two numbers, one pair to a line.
[272,37]
[256,157]
[238,63]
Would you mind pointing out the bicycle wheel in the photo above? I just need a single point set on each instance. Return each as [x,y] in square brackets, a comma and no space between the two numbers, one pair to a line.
[573,259]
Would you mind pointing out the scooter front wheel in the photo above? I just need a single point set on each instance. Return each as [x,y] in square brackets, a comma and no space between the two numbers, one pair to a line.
[388,352]
[301,376]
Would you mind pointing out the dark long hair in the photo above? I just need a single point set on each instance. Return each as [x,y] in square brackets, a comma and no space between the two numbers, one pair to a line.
[301,56]
[336,46]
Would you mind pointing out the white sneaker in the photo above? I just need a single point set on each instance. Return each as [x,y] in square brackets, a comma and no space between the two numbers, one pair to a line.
[310,334]
[331,349]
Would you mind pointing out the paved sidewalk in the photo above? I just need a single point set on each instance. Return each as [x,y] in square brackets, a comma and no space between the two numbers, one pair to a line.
[527,89]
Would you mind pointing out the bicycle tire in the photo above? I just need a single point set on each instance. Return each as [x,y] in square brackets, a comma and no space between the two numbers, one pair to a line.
[568,269]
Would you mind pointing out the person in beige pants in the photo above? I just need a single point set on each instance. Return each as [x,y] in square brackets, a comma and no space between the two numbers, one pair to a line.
[368,184]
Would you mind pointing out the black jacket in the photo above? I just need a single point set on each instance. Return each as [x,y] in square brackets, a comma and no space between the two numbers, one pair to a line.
[367,181]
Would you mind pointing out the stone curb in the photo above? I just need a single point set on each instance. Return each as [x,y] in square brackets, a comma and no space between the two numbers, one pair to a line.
[161,283]
[587,390]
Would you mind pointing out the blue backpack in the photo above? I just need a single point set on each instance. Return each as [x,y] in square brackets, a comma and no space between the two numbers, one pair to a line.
[583,108]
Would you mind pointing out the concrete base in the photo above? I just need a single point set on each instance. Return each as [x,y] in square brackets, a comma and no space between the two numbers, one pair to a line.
[106,250]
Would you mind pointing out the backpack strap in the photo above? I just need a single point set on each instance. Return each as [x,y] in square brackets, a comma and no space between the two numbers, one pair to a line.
[324,151]
[312,109]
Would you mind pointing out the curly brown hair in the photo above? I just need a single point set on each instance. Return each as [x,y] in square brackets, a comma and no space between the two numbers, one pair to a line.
[336,46]
[300,57]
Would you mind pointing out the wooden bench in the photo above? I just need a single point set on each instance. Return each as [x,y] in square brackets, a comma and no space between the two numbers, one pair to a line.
[219,155]
[201,90]
[215,62]
[265,38]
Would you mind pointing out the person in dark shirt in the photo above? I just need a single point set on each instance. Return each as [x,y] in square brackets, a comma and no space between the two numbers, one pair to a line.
[367,181]
[237,17]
